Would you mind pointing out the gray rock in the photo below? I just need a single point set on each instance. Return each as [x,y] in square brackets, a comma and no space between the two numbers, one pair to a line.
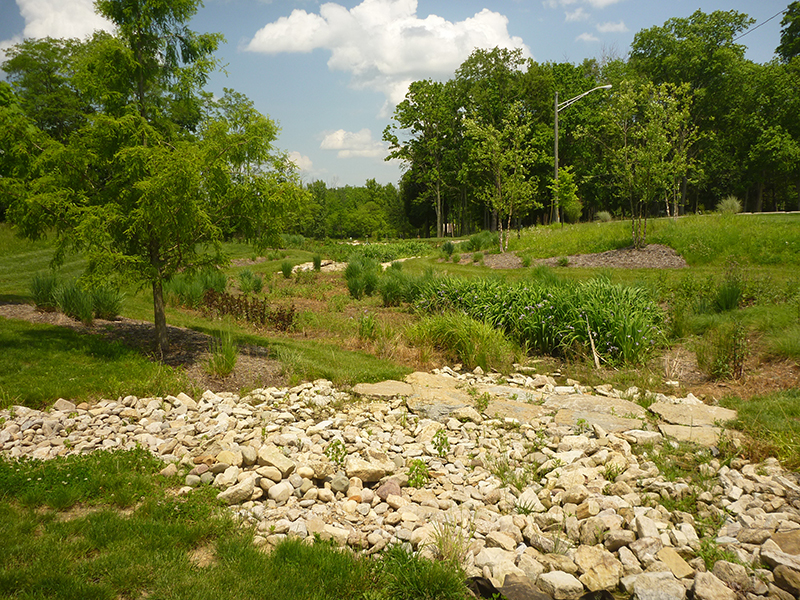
[788,579]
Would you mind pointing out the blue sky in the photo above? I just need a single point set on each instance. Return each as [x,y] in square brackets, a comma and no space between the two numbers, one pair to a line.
[330,73]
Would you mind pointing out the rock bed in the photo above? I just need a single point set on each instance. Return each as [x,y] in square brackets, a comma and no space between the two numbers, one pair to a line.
[586,517]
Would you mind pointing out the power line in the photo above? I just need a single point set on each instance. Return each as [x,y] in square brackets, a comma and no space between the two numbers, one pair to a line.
[759,25]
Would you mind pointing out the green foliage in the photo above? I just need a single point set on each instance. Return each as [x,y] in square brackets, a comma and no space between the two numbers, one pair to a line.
[477,257]
[484,240]
[565,191]
[75,302]
[397,286]
[456,258]
[624,322]
[249,282]
[286,269]
[336,452]
[772,424]
[107,302]
[464,339]
[188,289]
[603,216]
[407,576]
[448,248]
[722,352]
[418,474]
[120,478]
[224,354]
[440,443]
[362,275]
[317,261]
[43,290]
[367,326]
[158,172]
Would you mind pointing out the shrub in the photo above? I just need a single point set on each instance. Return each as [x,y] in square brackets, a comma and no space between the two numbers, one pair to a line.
[75,302]
[603,216]
[286,269]
[484,240]
[477,257]
[107,302]
[456,258]
[448,247]
[729,205]
[43,290]
[291,240]
[317,260]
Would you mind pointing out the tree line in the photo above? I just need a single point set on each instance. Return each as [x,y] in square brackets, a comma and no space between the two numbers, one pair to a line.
[687,121]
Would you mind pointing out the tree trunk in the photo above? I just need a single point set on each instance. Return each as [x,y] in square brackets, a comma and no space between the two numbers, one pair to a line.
[438,211]
[160,319]
[759,197]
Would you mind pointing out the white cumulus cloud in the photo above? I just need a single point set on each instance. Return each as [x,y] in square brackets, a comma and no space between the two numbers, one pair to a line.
[59,19]
[303,162]
[351,144]
[383,44]
[587,37]
[579,14]
[612,27]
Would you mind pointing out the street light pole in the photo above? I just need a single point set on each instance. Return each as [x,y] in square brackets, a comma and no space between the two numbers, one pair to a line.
[557,108]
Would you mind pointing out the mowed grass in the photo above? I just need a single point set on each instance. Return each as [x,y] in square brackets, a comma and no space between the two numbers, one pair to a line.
[41,363]
[84,545]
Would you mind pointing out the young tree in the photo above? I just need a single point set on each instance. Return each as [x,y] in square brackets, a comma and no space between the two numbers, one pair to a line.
[153,189]
[647,135]
[505,156]
[565,191]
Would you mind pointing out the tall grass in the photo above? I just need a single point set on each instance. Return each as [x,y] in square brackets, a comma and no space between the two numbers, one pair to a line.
[187,289]
[224,354]
[625,324]
[43,290]
[362,275]
[466,340]
[75,302]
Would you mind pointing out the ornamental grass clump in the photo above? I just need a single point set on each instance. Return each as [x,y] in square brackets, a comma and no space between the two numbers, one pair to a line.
[43,290]
[362,276]
[75,302]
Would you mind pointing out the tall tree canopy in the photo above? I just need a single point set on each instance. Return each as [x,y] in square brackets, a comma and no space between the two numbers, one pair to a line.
[159,173]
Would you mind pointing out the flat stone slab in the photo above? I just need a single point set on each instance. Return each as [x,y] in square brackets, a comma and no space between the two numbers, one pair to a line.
[435,397]
[586,403]
[514,394]
[384,389]
[692,415]
[521,411]
[610,423]
[705,436]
